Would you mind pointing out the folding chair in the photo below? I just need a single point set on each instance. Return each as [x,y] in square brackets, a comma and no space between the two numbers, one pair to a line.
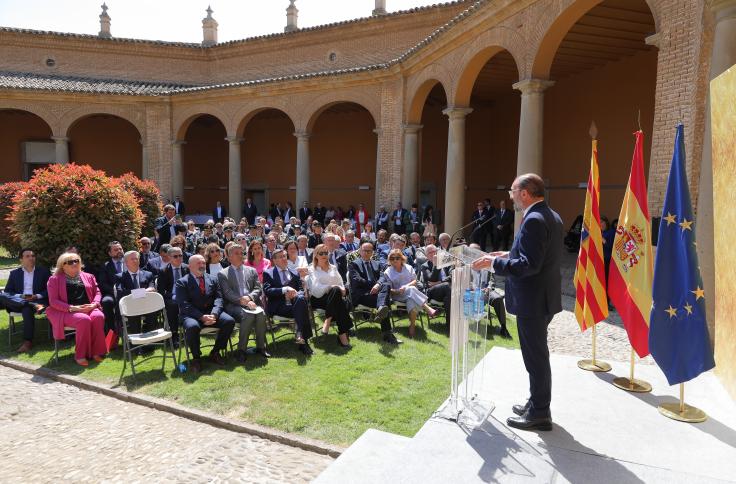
[400,307]
[12,324]
[365,314]
[67,333]
[129,306]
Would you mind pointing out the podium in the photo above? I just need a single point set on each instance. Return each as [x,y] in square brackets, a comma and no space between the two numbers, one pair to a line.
[469,326]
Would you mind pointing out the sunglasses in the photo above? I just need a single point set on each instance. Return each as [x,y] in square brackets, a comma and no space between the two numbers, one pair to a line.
[71,262]
[321,253]
[394,258]
[177,256]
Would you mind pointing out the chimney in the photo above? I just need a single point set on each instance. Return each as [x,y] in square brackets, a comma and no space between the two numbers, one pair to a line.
[104,23]
[209,29]
[380,8]
[291,16]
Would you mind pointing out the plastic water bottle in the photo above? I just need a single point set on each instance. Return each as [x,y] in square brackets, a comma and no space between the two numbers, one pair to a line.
[478,304]
[468,303]
[182,368]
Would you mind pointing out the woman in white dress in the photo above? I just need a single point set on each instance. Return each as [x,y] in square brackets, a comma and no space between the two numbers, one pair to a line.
[293,259]
[328,292]
[213,258]
[404,288]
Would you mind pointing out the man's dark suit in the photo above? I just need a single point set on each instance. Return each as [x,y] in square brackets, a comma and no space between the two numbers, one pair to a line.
[276,301]
[314,240]
[108,280]
[12,297]
[533,294]
[304,214]
[363,277]
[151,262]
[126,286]
[179,208]
[193,304]
[250,212]
[222,215]
[439,292]
[165,287]
[318,214]
[501,236]
[340,259]
[479,233]
[163,227]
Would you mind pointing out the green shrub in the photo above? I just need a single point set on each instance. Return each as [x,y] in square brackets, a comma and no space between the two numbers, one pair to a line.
[149,199]
[76,205]
[8,239]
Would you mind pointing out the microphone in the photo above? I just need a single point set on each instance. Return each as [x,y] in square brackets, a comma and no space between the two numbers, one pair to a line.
[460,230]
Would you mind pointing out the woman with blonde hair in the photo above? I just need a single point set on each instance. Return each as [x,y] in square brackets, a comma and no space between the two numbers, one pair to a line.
[74,302]
[327,292]
[404,288]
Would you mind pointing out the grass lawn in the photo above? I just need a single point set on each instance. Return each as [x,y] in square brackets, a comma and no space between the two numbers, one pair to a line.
[334,396]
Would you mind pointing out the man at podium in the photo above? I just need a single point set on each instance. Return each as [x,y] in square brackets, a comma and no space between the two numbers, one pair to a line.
[532,271]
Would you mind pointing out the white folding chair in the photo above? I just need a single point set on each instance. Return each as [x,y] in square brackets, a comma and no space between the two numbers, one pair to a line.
[151,302]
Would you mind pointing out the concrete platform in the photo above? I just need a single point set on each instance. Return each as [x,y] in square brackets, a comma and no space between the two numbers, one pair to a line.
[601,434]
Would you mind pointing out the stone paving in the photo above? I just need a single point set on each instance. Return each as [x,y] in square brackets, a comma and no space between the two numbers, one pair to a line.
[53,432]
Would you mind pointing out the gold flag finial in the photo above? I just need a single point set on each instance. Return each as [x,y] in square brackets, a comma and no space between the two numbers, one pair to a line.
[593,130]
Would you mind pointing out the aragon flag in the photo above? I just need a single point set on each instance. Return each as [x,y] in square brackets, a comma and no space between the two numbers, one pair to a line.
[631,273]
[678,336]
[591,305]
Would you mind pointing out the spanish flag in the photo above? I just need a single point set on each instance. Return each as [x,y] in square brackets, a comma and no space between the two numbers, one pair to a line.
[631,272]
[591,305]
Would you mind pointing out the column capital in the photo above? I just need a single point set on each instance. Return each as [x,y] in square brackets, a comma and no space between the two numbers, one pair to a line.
[723,9]
[378,131]
[533,86]
[60,139]
[412,128]
[302,134]
[178,142]
[453,112]
[234,140]
[653,39]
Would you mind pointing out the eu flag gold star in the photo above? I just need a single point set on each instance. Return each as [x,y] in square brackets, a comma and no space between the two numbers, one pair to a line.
[670,219]
[672,311]
[685,224]
[688,308]
[699,292]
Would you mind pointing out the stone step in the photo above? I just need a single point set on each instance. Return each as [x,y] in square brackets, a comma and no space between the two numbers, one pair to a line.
[366,460]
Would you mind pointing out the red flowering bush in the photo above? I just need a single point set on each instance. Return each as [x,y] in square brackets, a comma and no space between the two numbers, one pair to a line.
[7,238]
[76,205]
[149,199]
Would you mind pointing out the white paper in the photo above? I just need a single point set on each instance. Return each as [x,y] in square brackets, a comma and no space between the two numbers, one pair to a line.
[138,293]
[257,310]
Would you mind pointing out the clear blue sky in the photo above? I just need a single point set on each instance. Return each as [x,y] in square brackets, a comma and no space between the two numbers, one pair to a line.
[181,20]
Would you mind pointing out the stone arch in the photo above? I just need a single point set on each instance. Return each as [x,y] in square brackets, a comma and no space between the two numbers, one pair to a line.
[44,114]
[477,54]
[128,113]
[319,104]
[420,86]
[183,118]
[552,28]
[244,115]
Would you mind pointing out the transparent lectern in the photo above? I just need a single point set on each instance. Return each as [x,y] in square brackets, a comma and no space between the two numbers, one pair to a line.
[469,326]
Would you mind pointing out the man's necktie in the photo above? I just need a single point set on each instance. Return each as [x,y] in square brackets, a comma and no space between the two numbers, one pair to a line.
[368,270]
[201,285]
[136,284]
[118,267]
[177,275]
[284,278]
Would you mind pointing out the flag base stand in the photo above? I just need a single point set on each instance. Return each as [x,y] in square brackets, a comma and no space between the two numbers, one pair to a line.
[681,411]
[593,364]
[635,385]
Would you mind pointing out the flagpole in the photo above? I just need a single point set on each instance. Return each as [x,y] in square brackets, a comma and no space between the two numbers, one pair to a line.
[681,411]
[593,364]
[632,384]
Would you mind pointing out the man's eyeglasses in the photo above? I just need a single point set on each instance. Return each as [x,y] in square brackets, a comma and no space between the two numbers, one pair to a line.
[511,192]
[177,256]
[71,262]
[368,251]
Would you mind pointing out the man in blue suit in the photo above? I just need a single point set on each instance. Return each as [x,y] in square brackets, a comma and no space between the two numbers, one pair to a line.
[199,298]
[133,277]
[25,292]
[533,294]
[283,290]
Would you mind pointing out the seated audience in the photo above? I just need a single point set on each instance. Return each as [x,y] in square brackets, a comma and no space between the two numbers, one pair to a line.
[150,260]
[26,293]
[316,238]
[328,292]
[181,242]
[256,259]
[174,271]
[486,281]
[444,240]
[436,282]
[295,261]
[199,297]
[350,244]
[285,298]
[213,259]
[74,302]
[302,245]
[108,278]
[404,288]
[135,277]
[337,256]
[368,232]
[241,291]
[271,244]
[368,287]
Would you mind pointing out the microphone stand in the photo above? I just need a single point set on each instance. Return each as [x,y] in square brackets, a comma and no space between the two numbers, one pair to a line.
[459,231]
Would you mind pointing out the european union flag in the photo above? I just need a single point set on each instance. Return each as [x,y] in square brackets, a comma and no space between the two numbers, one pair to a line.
[678,335]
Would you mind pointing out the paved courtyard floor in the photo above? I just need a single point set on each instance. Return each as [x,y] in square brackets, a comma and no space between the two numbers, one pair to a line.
[54,432]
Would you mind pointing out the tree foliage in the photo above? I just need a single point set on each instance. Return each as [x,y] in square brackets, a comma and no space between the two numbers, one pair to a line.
[8,238]
[149,199]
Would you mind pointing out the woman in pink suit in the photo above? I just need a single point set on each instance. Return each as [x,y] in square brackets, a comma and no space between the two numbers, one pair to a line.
[74,302]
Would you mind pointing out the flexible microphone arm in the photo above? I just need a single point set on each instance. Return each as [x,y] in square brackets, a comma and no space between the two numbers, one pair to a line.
[459,231]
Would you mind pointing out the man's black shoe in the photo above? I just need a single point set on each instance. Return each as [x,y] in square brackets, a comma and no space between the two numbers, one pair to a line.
[240,356]
[351,332]
[521,409]
[391,339]
[381,313]
[306,349]
[195,366]
[217,359]
[264,352]
[524,422]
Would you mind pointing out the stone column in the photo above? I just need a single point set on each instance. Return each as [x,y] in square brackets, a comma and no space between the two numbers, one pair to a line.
[723,56]
[410,178]
[455,175]
[235,178]
[144,160]
[177,169]
[62,149]
[377,199]
[303,185]
[531,125]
